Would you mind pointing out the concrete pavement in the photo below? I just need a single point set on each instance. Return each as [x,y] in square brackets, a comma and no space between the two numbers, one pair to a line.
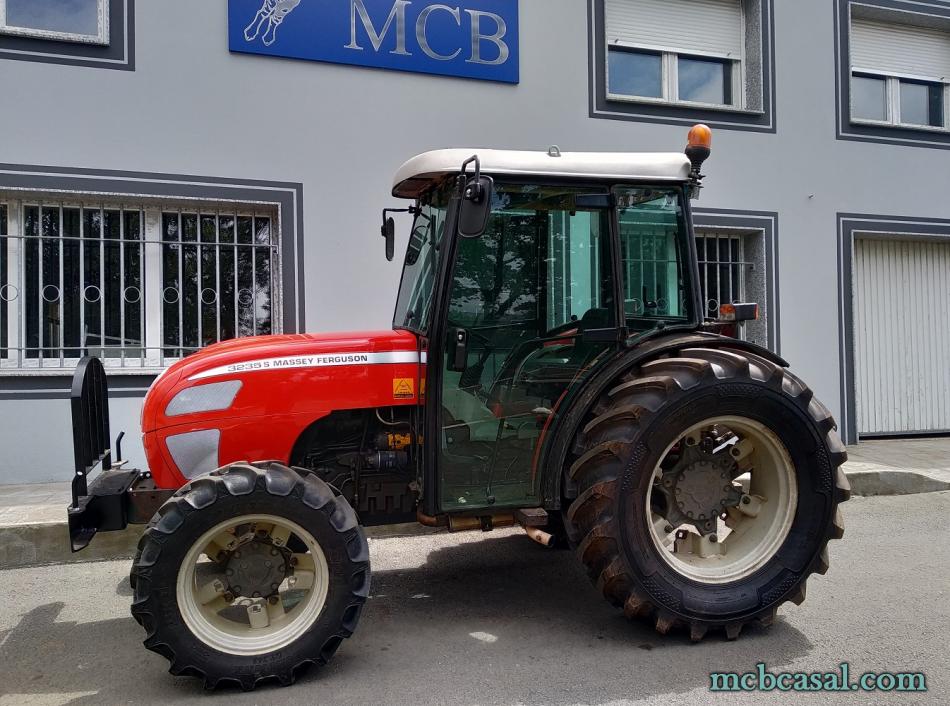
[33,517]
[496,619]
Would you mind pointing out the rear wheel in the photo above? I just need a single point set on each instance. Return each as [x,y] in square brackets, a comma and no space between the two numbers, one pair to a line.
[250,574]
[707,490]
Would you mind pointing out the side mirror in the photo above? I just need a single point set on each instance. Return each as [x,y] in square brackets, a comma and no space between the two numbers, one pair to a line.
[389,233]
[476,206]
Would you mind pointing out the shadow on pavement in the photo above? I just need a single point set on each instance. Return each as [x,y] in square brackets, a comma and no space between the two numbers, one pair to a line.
[498,621]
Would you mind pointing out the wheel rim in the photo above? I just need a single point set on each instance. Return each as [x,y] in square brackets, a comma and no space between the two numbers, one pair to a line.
[745,526]
[255,550]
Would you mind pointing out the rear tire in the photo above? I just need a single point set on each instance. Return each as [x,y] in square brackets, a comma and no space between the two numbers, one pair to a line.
[617,468]
[295,533]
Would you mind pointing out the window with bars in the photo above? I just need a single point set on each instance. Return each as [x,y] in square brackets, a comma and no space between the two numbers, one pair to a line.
[721,271]
[225,263]
[134,284]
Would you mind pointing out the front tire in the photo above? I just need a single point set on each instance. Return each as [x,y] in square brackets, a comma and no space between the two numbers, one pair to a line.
[251,573]
[707,487]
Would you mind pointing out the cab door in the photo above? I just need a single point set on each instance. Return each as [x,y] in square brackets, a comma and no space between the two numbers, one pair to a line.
[528,303]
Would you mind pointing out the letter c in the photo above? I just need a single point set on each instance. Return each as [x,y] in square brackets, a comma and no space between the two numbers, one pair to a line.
[422,35]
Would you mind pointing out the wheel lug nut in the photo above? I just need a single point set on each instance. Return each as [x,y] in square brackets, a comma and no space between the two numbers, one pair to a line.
[746,500]
[273,600]
[668,528]
[713,538]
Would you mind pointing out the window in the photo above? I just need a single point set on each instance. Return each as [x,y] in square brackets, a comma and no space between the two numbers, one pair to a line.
[704,80]
[869,97]
[733,268]
[217,278]
[675,51]
[899,74]
[652,243]
[6,290]
[135,284]
[635,73]
[721,271]
[538,265]
[64,20]
[525,291]
[415,291]
[897,101]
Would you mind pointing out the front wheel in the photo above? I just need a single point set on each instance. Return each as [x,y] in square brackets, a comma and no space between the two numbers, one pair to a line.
[251,573]
[707,489]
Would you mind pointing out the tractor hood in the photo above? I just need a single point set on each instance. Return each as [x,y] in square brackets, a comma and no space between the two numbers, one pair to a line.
[280,375]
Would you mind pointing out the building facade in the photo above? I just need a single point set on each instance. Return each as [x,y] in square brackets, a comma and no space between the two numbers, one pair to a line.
[176,173]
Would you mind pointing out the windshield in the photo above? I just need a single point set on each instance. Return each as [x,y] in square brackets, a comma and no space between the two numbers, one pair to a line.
[422,255]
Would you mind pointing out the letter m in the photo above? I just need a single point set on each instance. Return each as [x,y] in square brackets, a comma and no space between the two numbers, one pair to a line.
[723,682]
[397,14]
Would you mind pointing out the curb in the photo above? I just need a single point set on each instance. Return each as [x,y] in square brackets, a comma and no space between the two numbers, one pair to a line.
[35,544]
[874,483]
[40,543]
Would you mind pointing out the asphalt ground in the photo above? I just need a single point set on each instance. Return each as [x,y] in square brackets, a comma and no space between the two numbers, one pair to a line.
[497,619]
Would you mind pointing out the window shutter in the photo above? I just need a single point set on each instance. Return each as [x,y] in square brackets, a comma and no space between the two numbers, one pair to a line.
[900,49]
[684,26]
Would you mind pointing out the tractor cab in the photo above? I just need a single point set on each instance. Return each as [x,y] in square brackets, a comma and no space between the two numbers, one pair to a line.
[523,273]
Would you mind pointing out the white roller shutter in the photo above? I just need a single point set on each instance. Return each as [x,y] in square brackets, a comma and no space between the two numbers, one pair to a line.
[900,49]
[686,26]
[902,336]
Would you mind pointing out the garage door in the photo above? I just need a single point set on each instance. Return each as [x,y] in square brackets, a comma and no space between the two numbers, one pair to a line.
[902,336]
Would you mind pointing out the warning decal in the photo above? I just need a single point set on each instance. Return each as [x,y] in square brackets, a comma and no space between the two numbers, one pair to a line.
[403,388]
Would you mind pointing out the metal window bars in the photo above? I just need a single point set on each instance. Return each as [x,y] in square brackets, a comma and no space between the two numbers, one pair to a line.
[722,270]
[95,279]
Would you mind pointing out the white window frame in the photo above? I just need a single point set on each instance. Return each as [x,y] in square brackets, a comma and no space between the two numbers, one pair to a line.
[892,99]
[669,77]
[101,38]
[153,357]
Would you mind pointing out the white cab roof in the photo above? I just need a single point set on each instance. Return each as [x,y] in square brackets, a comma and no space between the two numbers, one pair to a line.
[418,173]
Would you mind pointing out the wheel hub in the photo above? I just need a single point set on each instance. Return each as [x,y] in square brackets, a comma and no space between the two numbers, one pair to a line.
[699,488]
[256,569]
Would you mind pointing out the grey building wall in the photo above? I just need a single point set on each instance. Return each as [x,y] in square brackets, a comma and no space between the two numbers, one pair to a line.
[190,107]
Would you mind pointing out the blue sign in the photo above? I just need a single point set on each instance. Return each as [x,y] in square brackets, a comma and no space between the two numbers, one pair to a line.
[467,38]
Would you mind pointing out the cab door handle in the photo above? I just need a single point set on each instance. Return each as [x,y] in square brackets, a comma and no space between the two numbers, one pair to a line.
[458,350]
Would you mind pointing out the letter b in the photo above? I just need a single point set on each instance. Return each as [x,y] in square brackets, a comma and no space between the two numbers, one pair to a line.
[501,29]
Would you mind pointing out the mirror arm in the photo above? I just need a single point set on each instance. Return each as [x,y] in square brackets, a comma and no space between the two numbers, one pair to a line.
[387,211]
[475,191]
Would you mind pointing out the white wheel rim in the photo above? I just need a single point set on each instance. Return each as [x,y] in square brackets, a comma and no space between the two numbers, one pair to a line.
[747,546]
[238,626]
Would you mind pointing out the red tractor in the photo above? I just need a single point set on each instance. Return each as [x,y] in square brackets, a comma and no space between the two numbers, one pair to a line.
[549,366]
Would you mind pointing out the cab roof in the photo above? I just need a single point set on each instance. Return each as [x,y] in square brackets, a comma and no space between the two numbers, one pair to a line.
[416,175]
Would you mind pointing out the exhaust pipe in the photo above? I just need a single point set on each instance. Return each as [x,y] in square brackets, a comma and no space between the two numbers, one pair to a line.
[540,536]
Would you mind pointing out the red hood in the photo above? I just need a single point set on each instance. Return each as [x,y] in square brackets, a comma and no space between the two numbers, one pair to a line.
[296,358]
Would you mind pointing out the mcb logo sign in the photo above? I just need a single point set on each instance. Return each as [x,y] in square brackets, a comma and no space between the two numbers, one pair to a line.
[468,38]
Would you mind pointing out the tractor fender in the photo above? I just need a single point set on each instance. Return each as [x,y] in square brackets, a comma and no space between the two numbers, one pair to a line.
[566,424]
